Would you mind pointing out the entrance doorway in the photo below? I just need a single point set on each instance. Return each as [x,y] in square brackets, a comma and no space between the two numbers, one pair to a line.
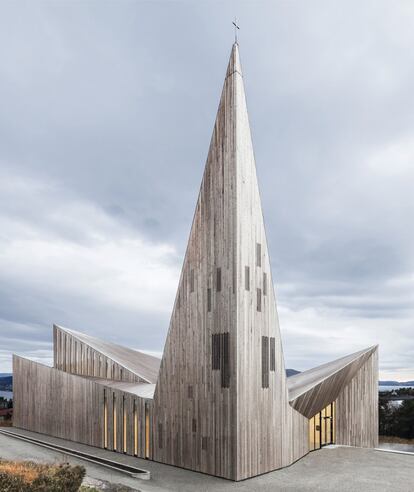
[322,428]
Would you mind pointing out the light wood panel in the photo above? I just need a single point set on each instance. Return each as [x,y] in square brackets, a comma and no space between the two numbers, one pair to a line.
[212,411]
[68,406]
[357,407]
[73,355]
[242,430]
[314,389]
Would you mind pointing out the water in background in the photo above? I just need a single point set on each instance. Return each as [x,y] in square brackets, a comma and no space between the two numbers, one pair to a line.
[390,388]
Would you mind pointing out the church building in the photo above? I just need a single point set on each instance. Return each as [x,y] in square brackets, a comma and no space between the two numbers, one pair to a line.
[218,401]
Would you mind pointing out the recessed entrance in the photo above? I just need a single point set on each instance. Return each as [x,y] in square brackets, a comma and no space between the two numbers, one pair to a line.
[322,428]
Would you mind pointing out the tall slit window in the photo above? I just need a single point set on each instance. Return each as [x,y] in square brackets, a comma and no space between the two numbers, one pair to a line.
[124,426]
[218,279]
[209,300]
[264,283]
[247,278]
[225,370]
[105,421]
[272,354]
[215,351]
[147,432]
[259,299]
[265,362]
[114,418]
[221,356]
[192,280]
[135,429]
[160,436]
[258,254]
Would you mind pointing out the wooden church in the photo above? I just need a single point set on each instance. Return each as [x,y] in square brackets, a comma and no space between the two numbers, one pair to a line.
[218,401]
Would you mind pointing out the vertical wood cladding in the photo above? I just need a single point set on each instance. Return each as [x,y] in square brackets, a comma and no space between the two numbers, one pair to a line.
[60,404]
[214,341]
[73,356]
[270,433]
[221,403]
[201,345]
[357,408]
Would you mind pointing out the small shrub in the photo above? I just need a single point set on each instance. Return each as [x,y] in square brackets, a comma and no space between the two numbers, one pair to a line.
[33,477]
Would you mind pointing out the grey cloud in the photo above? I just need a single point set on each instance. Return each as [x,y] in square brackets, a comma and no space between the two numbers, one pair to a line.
[111,107]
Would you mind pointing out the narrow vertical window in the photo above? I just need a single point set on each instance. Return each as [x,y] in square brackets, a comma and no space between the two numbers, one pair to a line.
[194,425]
[264,283]
[265,362]
[124,426]
[208,300]
[192,280]
[114,418]
[247,278]
[258,254]
[272,354]
[178,301]
[218,280]
[160,436]
[190,391]
[225,363]
[215,351]
[147,432]
[135,429]
[259,299]
[105,421]
[204,443]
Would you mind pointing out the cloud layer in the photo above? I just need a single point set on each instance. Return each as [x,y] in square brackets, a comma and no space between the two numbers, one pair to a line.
[107,111]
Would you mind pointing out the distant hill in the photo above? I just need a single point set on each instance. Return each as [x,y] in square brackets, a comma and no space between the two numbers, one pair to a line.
[291,372]
[5,374]
[6,383]
[396,383]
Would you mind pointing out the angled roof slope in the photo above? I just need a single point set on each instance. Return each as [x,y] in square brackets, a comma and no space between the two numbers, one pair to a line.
[143,365]
[143,390]
[310,391]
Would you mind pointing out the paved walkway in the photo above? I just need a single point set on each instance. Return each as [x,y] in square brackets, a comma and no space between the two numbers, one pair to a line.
[337,469]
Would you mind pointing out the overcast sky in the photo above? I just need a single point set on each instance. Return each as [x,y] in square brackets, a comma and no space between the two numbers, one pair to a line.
[106,113]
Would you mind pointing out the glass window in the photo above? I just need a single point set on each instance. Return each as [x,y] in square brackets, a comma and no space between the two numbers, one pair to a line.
[247,278]
[218,280]
[259,299]
[258,254]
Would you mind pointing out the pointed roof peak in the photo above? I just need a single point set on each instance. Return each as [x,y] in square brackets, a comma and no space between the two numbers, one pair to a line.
[234,65]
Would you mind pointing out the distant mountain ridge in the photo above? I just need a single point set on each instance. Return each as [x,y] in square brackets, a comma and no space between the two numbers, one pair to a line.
[6,383]
[291,372]
[396,383]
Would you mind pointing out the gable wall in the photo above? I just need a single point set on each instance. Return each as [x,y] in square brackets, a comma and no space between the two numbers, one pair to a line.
[73,356]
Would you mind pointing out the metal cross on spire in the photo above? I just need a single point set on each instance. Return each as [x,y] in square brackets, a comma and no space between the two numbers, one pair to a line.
[235,29]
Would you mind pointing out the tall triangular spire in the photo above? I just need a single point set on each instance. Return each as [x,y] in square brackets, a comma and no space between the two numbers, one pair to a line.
[234,62]
[222,366]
